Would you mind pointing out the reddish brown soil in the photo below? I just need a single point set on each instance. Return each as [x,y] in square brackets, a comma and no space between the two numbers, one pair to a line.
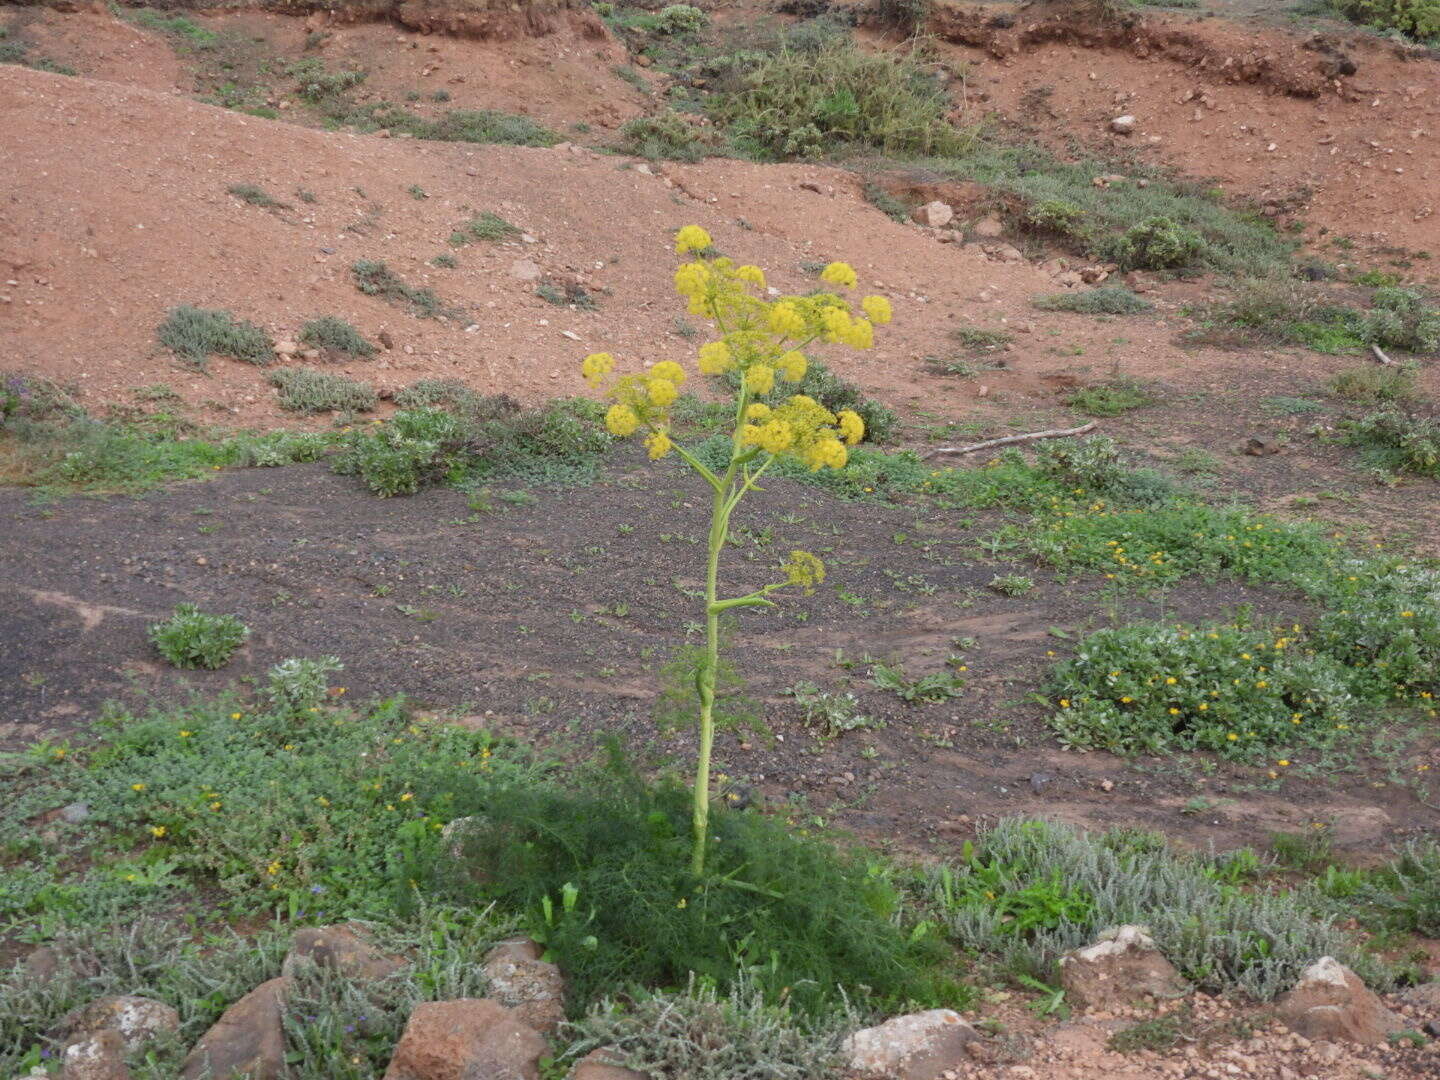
[1267,114]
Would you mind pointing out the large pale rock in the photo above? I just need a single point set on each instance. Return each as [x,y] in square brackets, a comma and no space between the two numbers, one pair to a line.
[466,1039]
[597,1065]
[1331,1003]
[100,1056]
[533,988]
[345,948]
[137,1020]
[920,1046]
[1121,967]
[247,1041]
[933,215]
[1123,125]
[988,228]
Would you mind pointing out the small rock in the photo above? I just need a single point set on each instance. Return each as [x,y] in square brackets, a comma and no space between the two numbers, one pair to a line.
[75,813]
[811,185]
[933,215]
[466,1039]
[1120,967]
[343,948]
[988,228]
[247,1041]
[1261,447]
[1331,1003]
[386,341]
[532,988]
[286,348]
[1039,781]
[136,1019]
[526,270]
[920,1046]
[1123,125]
[100,1056]
[1425,997]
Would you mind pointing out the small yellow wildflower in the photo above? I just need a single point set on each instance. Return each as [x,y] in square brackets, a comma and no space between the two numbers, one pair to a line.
[234,716]
[1170,680]
[186,734]
[137,787]
[658,445]
[157,831]
[273,868]
[215,806]
[1232,736]
[1064,703]
[407,796]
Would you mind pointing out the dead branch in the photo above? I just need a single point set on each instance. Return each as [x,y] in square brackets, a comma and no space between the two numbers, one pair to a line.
[1380,355]
[1010,440]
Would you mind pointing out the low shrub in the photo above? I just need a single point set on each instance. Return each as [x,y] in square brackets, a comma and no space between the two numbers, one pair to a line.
[334,335]
[1387,630]
[1032,890]
[1106,300]
[489,227]
[1397,442]
[193,639]
[1111,398]
[256,196]
[317,85]
[473,126]
[601,870]
[181,27]
[1418,19]
[196,334]
[1291,312]
[1374,384]
[306,390]
[667,136]
[702,1033]
[417,448]
[376,279]
[1157,243]
[807,104]
[681,19]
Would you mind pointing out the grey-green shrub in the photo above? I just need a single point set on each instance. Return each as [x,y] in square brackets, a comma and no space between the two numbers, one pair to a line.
[1106,300]
[334,333]
[193,639]
[196,334]
[1217,936]
[306,390]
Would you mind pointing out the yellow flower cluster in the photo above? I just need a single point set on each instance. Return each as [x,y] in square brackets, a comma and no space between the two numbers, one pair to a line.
[762,342]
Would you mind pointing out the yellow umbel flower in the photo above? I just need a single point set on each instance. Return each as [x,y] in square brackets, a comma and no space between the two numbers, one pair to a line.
[786,320]
[596,366]
[839,273]
[662,392]
[668,369]
[621,420]
[837,323]
[758,411]
[715,358]
[852,428]
[861,334]
[793,365]
[691,238]
[760,379]
[804,569]
[827,453]
[691,279]
[776,436]
[658,444]
[753,274]
[878,309]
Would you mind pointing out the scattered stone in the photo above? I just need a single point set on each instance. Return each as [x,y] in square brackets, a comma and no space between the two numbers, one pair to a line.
[286,348]
[1039,781]
[988,228]
[533,988]
[1005,253]
[597,1066]
[811,185]
[1093,275]
[933,215]
[248,1040]
[137,1020]
[100,1056]
[1425,997]
[1069,278]
[466,1039]
[342,948]
[75,812]
[526,270]
[920,1046]
[1120,967]
[1123,125]
[386,341]
[1331,1003]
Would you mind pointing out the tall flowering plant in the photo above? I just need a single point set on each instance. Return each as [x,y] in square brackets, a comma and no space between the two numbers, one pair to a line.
[763,341]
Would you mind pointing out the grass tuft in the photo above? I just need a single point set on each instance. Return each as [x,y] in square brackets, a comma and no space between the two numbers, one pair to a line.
[196,334]
[306,390]
[1106,300]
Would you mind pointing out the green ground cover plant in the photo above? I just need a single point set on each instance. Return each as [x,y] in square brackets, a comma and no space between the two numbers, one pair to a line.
[1290,312]
[666,136]
[256,196]
[196,334]
[1111,398]
[376,279]
[1417,19]
[1396,441]
[487,226]
[1105,300]
[192,638]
